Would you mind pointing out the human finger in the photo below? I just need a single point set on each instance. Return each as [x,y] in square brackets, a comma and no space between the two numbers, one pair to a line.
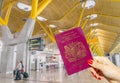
[95,74]
[95,64]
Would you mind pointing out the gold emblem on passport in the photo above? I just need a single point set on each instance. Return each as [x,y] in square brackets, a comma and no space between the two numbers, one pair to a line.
[74,51]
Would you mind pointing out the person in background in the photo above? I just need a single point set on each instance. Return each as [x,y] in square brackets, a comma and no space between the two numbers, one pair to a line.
[22,69]
[18,70]
[25,74]
[103,67]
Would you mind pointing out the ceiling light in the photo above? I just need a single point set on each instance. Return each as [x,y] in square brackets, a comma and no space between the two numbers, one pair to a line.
[41,18]
[60,31]
[92,16]
[23,6]
[97,30]
[89,4]
[94,24]
[52,26]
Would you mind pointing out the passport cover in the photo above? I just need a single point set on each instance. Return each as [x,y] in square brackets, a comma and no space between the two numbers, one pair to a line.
[74,50]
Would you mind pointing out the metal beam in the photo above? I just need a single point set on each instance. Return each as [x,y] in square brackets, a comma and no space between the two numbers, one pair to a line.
[1,21]
[85,22]
[94,49]
[51,32]
[81,15]
[34,9]
[8,14]
[49,35]
[7,5]
[90,35]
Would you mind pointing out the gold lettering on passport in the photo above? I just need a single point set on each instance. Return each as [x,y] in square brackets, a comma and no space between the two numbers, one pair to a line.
[74,51]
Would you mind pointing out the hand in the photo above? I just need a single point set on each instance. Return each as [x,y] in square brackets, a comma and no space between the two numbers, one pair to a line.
[102,67]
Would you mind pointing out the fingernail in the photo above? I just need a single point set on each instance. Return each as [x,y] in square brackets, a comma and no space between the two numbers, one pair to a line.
[99,78]
[90,62]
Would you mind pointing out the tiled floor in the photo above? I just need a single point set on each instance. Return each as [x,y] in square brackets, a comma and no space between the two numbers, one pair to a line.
[53,76]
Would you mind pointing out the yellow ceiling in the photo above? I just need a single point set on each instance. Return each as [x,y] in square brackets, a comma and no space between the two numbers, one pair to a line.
[57,13]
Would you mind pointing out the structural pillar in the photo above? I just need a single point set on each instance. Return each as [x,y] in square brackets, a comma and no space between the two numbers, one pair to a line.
[6,64]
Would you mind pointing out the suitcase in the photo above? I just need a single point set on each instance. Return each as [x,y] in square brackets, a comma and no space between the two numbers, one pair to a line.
[25,75]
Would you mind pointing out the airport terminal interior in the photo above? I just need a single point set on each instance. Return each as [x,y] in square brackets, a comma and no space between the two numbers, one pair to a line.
[28,29]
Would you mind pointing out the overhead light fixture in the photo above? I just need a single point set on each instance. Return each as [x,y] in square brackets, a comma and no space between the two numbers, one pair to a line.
[60,31]
[94,24]
[23,6]
[52,26]
[92,16]
[97,30]
[41,18]
[89,4]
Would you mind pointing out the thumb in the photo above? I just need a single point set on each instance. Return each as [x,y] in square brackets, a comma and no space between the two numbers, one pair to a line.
[95,64]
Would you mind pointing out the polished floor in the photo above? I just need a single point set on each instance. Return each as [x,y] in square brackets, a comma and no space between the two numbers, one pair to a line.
[53,76]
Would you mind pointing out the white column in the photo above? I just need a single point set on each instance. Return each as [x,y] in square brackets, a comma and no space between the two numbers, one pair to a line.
[10,62]
[117,60]
[14,57]
[22,49]
[27,29]
[1,45]
[9,42]
[6,59]
[21,53]
[6,64]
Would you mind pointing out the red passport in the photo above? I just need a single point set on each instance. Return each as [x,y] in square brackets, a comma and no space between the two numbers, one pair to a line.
[74,50]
